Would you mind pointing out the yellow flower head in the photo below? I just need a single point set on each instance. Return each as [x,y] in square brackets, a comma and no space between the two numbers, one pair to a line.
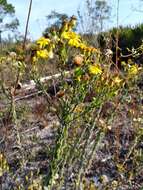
[34,59]
[79,108]
[82,46]
[73,38]
[133,70]
[42,54]
[70,35]
[74,42]
[42,42]
[116,81]
[94,69]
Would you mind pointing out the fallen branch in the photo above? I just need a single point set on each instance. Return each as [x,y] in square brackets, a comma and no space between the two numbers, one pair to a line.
[26,91]
[29,90]
[32,84]
[27,96]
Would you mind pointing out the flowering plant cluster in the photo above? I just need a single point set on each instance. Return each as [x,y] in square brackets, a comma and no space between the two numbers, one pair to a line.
[78,104]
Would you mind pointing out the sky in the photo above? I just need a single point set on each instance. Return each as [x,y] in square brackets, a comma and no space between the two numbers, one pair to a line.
[41,8]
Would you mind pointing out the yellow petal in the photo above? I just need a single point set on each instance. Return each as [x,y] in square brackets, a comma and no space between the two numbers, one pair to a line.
[95,69]
[42,54]
[42,42]
[133,70]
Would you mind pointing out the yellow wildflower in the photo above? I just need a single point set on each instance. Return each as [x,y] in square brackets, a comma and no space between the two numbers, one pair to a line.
[117,80]
[94,69]
[82,46]
[70,35]
[34,59]
[133,70]
[42,54]
[74,39]
[74,42]
[91,49]
[65,35]
[79,108]
[42,42]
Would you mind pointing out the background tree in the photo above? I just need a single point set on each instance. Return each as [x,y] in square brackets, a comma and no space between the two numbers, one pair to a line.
[54,21]
[93,18]
[7,20]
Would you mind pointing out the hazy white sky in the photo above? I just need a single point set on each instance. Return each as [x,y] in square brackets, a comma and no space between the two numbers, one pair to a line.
[41,8]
